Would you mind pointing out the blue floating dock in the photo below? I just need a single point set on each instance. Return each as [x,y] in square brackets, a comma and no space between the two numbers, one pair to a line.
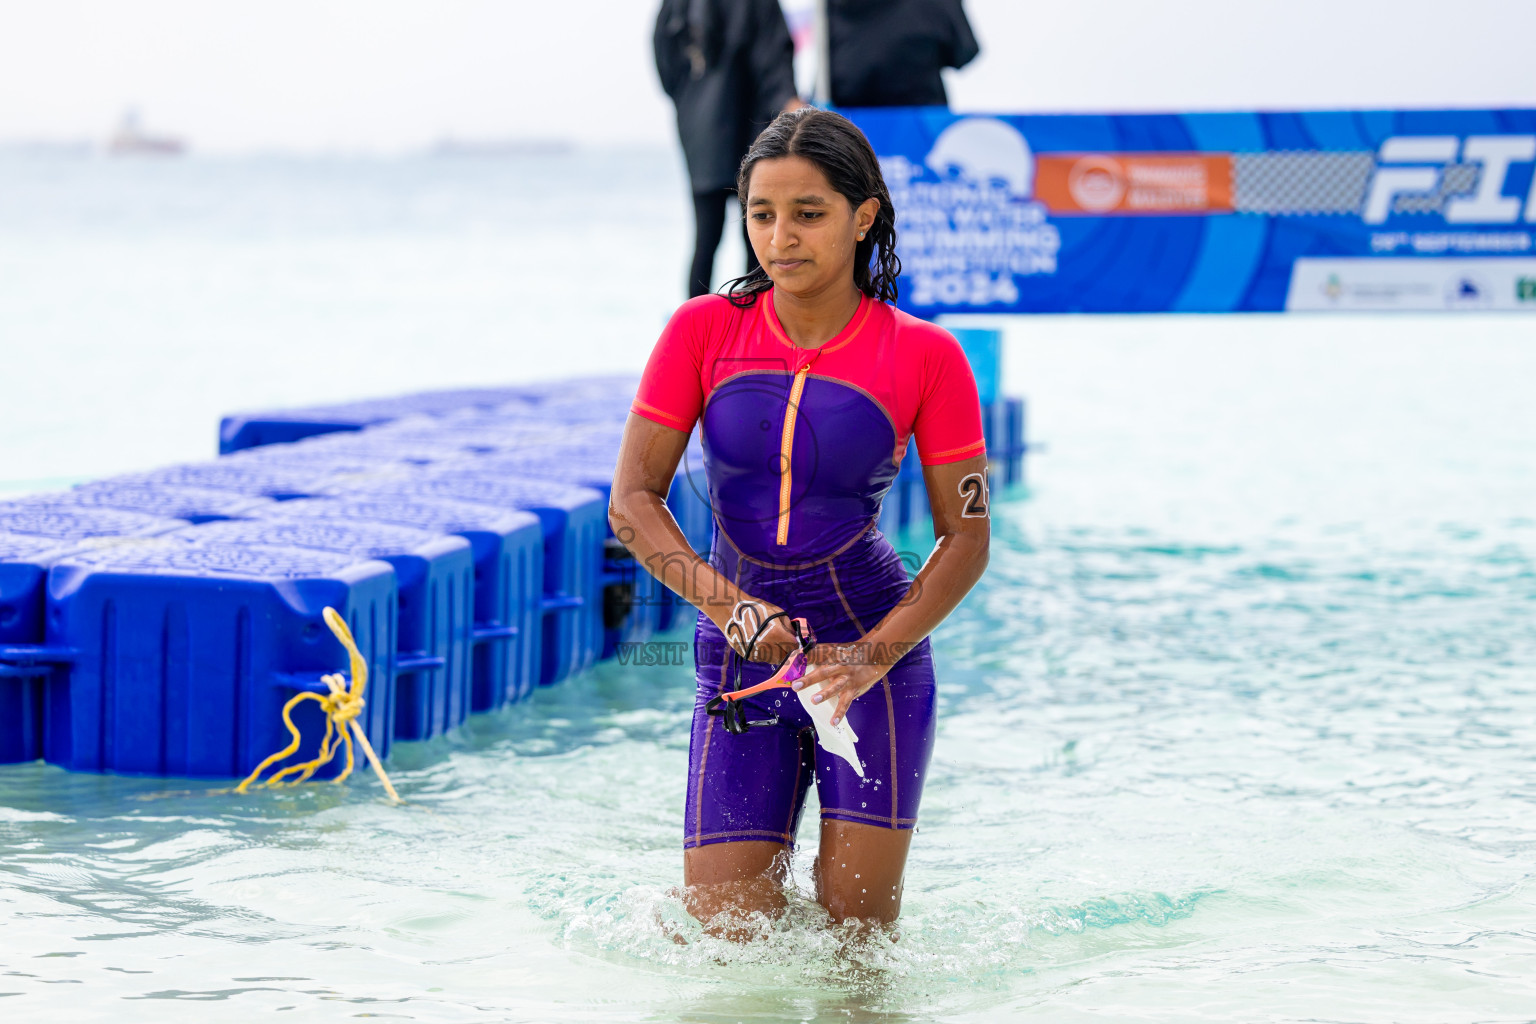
[574,521]
[185,654]
[434,577]
[508,552]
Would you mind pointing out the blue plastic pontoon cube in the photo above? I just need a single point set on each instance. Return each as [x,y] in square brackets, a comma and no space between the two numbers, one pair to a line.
[185,654]
[914,507]
[574,521]
[1017,446]
[588,460]
[276,481]
[508,550]
[633,599]
[31,539]
[23,564]
[893,509]
[434,576]
[689,501]
[1003,424]
[25,663]
[480,435]
[384,447]
[78,524]
[315,457]
[193,504]
[240,431]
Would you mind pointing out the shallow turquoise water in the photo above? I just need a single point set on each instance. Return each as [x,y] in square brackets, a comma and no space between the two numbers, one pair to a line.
[1239,726]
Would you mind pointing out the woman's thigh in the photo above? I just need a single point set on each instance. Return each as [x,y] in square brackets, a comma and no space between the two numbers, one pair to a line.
[895,721]
[748,787]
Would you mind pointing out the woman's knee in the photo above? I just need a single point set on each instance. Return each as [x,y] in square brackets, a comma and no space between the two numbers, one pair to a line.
[727,885]
[859,871]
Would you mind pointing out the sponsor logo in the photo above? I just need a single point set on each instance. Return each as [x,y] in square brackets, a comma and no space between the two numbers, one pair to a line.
[1096,183]
[1467,292]
[1135,183]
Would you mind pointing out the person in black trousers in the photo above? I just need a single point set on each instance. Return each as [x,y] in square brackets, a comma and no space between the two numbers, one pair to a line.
[728,66]
[888,53]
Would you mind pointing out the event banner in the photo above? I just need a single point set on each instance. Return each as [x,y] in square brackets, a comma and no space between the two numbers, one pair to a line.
[1214,212]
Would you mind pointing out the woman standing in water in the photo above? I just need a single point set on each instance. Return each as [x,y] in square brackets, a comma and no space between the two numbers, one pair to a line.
[807,384]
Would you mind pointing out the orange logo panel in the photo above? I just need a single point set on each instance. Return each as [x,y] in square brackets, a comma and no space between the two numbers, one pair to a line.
[1130,183]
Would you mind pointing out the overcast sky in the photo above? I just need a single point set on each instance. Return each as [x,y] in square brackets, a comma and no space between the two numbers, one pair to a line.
[390,75]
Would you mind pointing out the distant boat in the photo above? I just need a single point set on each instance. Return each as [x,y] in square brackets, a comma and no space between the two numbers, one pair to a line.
[131,139]
[501,147]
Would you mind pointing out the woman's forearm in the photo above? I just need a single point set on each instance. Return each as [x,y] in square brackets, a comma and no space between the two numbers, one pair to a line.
[642,522]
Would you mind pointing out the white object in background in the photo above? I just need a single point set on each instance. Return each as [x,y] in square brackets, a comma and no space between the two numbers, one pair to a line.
[839,739]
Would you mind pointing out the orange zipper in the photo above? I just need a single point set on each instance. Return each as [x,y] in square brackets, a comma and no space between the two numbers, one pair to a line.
[786,451]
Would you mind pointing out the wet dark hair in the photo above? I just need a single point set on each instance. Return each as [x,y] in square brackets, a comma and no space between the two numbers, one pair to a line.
[841,153]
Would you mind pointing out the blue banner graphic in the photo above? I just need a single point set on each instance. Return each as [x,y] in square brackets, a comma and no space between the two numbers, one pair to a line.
[1214,212]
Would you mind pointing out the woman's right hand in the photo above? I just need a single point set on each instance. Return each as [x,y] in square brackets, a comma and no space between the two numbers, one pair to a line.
[774,644]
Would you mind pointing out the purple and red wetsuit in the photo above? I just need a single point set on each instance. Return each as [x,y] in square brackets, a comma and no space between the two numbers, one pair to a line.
[800,446]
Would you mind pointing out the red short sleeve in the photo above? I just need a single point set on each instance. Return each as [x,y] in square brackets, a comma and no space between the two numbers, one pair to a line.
[672,389]
[948,423]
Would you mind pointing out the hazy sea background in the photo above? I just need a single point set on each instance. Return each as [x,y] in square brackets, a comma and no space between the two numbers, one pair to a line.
[1239,725]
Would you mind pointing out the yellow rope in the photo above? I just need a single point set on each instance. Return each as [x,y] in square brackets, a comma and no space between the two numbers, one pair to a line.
[341,706]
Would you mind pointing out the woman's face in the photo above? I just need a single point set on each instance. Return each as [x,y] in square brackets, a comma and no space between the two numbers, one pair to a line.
[802,229]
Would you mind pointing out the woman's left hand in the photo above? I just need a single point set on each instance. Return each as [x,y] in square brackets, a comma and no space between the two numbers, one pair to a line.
[844,672]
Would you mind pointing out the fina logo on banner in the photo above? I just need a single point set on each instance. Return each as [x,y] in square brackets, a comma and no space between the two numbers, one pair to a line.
[1486,159]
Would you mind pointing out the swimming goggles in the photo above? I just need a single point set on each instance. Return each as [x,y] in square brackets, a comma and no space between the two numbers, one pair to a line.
[728,706]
